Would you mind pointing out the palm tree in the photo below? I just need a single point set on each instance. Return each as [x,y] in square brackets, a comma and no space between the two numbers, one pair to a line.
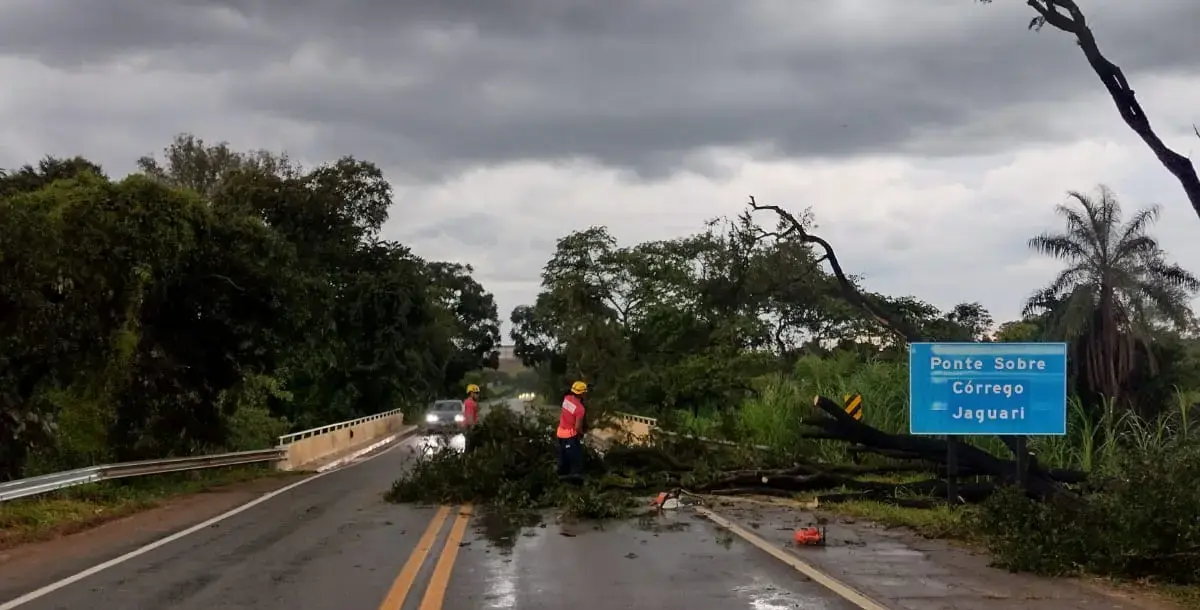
[1115,293]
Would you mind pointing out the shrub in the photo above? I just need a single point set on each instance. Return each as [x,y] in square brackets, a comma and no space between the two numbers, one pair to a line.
[1141,522]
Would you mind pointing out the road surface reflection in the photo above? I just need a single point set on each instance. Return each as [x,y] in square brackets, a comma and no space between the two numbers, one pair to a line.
[432,443]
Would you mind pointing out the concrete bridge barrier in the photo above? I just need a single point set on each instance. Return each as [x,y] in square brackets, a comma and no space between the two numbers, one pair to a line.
[628,428]
[308,447]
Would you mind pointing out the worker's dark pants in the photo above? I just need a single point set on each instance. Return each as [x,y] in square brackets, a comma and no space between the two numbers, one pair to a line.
[570,456]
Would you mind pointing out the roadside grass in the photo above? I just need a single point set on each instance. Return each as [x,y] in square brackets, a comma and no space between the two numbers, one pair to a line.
[75,509]
[943,522]
[1187,598]
[774,417]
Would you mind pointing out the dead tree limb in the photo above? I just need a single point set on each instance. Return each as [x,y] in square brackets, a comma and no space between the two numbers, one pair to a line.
[1066,16]
[794,229]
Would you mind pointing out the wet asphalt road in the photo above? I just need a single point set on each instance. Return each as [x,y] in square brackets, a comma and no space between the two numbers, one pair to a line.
[334,544]
[672,561]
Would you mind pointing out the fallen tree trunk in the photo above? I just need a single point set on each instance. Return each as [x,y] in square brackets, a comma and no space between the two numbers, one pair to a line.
[799,482]
[1040,483]
[1062,475]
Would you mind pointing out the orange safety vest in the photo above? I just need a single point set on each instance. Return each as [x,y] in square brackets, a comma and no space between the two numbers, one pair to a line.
[568,419]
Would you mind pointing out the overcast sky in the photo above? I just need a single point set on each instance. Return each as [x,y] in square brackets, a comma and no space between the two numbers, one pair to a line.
[931,137]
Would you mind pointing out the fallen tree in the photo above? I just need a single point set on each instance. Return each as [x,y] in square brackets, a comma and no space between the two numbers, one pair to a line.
[1024,469]
[511,465]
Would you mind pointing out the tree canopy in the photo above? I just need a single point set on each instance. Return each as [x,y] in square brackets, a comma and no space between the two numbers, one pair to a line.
[688,324]
[214,299]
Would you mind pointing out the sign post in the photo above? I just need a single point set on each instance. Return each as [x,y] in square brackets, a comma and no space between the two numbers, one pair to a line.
[987,389]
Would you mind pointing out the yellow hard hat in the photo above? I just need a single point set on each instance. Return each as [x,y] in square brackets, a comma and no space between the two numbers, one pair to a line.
[579,387]
[472,389]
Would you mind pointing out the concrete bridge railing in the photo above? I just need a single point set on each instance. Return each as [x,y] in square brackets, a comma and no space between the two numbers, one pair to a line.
[635,428]
[315,444]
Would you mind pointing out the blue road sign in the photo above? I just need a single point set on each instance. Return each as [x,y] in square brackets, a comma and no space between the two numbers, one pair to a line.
[973,389]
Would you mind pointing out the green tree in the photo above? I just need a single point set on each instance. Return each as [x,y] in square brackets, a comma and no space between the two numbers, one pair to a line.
[189,163]
[1018,331]
[473,320]
[210,301]
[684,323]
[1116,292]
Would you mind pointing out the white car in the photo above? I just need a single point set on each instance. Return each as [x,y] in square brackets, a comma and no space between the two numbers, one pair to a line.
[444,415]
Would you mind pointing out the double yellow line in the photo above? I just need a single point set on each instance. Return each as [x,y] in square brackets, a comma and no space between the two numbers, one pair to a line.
[435,592]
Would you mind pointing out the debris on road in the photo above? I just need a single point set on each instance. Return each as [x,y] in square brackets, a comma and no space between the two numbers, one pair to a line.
[510,465]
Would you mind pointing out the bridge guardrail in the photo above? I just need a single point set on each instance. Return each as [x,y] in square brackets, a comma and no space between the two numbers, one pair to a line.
[288,439]
[32,486]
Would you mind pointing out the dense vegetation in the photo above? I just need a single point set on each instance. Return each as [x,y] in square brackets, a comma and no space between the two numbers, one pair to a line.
[213,300]
[731,331]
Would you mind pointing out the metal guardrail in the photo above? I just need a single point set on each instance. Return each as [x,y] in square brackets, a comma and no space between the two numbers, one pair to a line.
[23,488]
[32,486]
[288,439]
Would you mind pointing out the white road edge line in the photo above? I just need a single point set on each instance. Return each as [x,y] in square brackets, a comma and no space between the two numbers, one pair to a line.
[840,588]
[96,569]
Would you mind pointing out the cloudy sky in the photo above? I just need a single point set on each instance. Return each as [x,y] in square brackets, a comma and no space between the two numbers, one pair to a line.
[931,137]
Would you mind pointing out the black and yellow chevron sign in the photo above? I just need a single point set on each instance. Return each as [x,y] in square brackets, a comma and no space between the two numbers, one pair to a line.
[852,403]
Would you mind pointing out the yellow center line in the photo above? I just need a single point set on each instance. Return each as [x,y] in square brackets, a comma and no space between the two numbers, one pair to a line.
[435,595]
[408,574]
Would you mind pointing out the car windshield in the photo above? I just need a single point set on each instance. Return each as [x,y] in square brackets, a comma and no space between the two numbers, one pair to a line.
[448,406]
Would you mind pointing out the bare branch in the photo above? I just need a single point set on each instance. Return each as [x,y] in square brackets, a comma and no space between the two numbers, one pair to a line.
[849,291]
[1066,16]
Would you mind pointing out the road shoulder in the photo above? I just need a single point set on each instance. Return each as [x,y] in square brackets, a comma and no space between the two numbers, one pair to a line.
[904,571]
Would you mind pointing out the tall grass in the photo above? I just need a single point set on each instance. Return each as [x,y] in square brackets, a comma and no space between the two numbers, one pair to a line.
[774,416]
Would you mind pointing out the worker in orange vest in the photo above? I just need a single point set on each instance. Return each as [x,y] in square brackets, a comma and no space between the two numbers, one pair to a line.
[470,414]
[570,432]
[471,405]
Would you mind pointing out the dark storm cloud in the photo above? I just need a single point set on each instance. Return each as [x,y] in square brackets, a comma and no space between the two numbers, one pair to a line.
[432,86]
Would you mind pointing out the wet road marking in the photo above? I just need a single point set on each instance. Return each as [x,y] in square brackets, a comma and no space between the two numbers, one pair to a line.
[435,595]
[408,574]
[161,542]
[840,588]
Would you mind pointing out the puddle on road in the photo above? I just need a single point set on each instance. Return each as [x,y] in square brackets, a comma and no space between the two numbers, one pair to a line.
[765,595]
[658,522]
[501,529]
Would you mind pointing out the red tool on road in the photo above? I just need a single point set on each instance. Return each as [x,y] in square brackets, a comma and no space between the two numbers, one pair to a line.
[810,536]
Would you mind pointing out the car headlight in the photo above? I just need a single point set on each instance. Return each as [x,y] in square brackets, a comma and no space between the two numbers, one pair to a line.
[459,418]
[431,419]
